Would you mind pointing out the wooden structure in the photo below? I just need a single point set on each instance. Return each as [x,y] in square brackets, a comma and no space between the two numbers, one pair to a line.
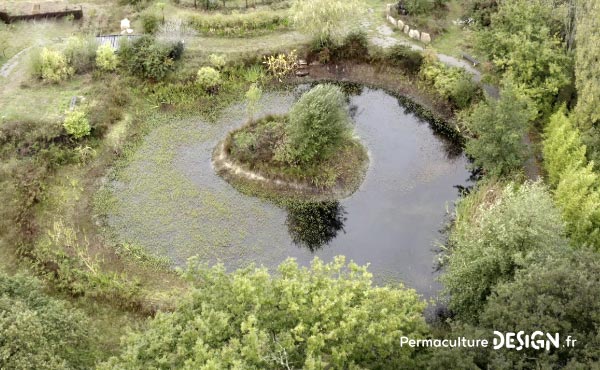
[15,12]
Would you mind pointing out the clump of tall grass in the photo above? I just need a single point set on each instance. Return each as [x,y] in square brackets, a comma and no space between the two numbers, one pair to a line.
[244,24]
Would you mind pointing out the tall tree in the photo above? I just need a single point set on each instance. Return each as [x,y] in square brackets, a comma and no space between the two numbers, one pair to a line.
[328,316]
[498,231]
[587,72]
[500,127]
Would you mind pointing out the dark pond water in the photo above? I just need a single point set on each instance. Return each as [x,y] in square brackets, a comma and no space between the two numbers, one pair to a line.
[169,200]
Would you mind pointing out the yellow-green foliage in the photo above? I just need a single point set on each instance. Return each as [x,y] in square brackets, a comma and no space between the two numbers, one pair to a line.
[106,58]
[578,197]
[53,66]
[217,60]
[208,78]
[282,64]
[76,124]
[452,83]
[563,149]
[577,185]
[328,316]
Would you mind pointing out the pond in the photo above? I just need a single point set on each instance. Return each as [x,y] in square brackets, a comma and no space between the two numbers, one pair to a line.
[169,200]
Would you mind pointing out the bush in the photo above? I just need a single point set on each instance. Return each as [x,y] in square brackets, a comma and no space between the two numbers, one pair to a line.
[328,316]
[146,58]
[318,122]
[498,231]
[453,83]
[106,59]
[208,78]
[217,61]
[499,127]
[76,124]
[354,47]
[81,53]
[38,332]
[150,22]
[51,66]
[404,57]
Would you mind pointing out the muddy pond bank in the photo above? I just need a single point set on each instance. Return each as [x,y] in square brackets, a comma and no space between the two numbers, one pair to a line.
[169,200]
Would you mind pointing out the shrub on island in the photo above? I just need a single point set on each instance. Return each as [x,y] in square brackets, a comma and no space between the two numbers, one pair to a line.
[311,148]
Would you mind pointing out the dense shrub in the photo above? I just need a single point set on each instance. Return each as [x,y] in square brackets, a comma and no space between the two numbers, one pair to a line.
[38,332]
[76,124]
[499,127]
[208,78]
[150,22]
[81,53]
[558,294]
[524,44]
[354,47]
[328,316]
[106,59]
[317,124]
[404,57]
[51,66]
[453,83]
[218,61]
[146,58]
[481,11]
[498,231]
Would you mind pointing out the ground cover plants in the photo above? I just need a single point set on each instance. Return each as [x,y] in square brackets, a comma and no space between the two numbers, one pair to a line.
[93,138]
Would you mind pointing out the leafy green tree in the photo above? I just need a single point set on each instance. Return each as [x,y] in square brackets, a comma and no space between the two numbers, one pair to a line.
[558,294]
[500,127]
[317,124]
[328,316]
[326,19]
[37,332]
[562,147]
[524,43]
[497,232]
[587,72]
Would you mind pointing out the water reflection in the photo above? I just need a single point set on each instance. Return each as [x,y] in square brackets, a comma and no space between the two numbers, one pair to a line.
[314,224]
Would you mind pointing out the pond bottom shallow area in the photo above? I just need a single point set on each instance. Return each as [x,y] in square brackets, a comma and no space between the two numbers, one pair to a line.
[169,199]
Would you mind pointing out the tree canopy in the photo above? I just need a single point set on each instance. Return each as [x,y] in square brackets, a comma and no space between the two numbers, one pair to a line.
[498,231]
[38,332]
[500,127]
[328,315]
